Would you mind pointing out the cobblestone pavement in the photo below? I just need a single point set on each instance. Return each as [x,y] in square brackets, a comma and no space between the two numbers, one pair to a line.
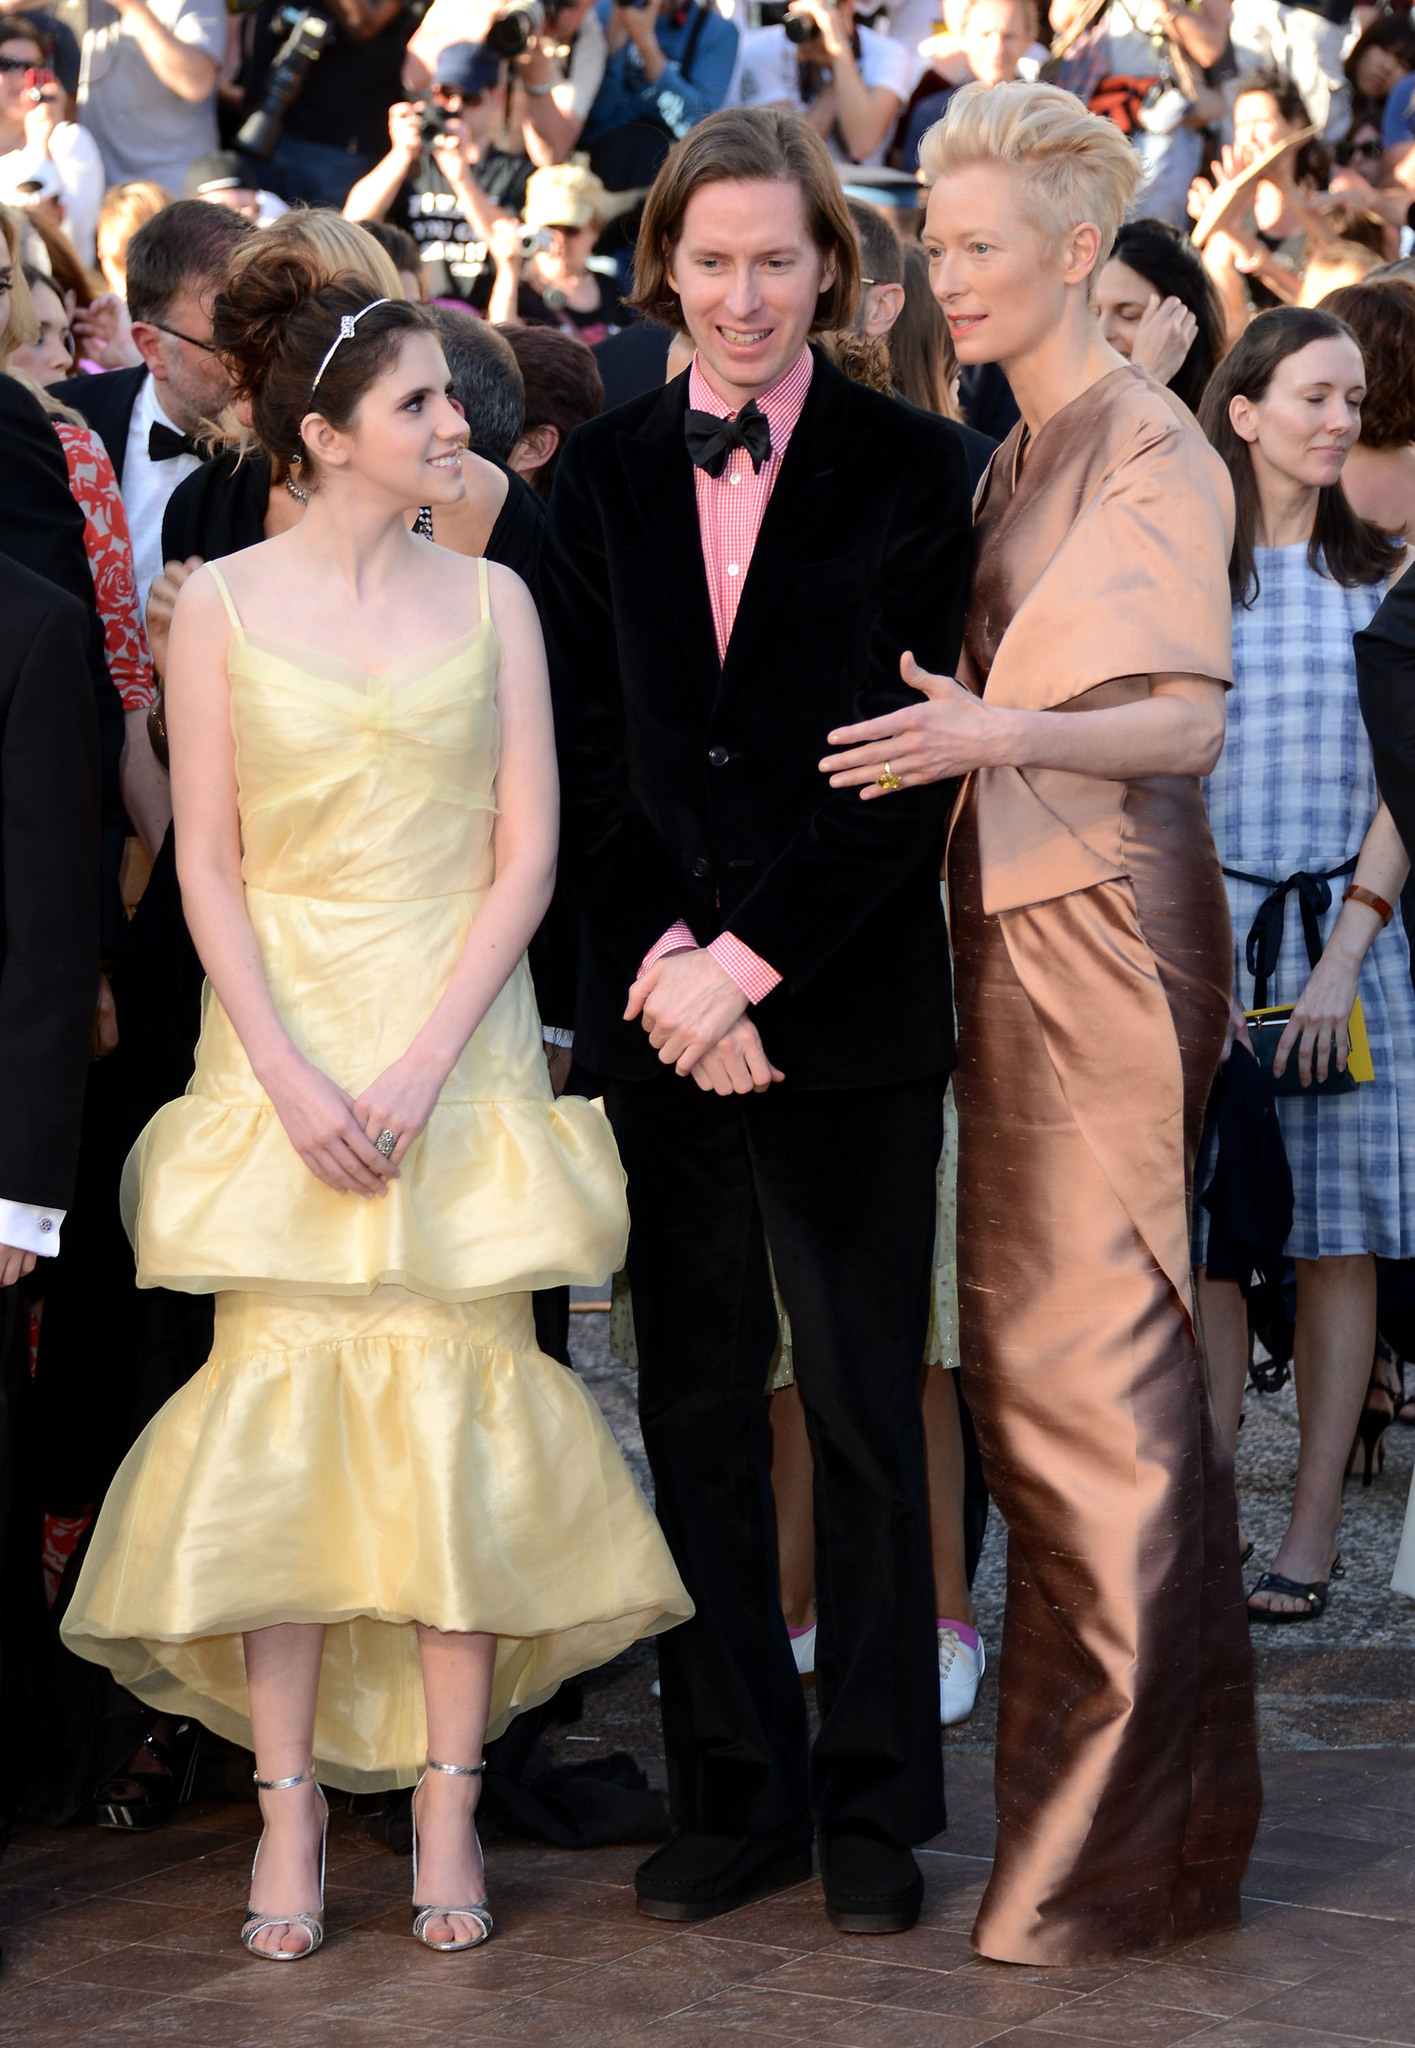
[120,1939]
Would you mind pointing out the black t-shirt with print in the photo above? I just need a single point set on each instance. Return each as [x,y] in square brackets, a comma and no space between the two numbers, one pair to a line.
[456,263]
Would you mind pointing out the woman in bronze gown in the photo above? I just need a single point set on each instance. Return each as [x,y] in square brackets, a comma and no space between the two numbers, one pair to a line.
[1093,956]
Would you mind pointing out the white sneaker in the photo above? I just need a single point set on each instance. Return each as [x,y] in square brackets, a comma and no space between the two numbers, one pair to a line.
[959,1671]
[803,1649]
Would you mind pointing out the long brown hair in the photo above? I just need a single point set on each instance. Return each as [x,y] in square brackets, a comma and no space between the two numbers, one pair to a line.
[1343,546]
[739,146]
[920,346]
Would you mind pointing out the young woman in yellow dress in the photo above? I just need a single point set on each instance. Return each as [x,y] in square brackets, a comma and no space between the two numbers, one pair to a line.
[379,1522]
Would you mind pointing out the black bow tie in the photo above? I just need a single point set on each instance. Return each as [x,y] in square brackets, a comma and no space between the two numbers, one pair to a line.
[711,440]
[163,443]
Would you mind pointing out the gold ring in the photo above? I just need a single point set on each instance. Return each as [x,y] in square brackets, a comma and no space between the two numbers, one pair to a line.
[889,780]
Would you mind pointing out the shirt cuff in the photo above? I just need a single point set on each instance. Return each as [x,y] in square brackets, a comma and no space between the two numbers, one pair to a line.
[750,972]
[677,939]
[30,1227]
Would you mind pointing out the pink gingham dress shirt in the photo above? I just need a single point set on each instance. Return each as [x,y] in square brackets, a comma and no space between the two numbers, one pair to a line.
[730,512]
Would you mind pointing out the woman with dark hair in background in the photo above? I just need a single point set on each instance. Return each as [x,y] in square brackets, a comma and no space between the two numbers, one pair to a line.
[1379,477]
[381,1522]
[1159,308]
[1293,798]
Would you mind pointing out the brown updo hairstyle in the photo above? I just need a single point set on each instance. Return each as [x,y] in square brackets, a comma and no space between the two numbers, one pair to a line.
[274,325]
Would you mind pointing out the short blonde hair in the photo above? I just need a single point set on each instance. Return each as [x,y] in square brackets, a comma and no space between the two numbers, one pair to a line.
[337,247]
[1076,166]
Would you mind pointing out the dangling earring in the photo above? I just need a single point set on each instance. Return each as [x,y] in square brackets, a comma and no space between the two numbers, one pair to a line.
[300,496]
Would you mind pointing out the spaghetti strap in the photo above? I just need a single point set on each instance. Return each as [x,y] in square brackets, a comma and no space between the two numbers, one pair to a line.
[483,590]
[220,581]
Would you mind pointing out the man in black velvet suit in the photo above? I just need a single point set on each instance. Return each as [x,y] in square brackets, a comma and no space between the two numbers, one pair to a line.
[765,991]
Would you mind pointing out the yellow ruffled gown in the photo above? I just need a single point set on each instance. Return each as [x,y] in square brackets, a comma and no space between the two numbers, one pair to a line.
[375,1439]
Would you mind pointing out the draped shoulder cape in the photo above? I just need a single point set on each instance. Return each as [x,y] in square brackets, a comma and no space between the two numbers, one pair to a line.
[1099,559]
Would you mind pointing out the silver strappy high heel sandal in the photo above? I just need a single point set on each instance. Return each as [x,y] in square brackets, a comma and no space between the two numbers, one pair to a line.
[423,1916]
[312,1923]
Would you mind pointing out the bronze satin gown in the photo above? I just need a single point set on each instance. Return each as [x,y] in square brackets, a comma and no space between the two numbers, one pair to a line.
[1093,964]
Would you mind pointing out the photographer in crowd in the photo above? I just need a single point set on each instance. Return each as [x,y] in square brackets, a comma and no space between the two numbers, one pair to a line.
[557,55]
[561,283]
[331,128]
[444,177]
[848,81]
[34,127]
[669,63]
[147,90]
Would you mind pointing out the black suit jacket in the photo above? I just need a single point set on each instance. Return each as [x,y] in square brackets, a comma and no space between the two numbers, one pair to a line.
[106,402]
[42,528]
[49,884]
[691,790]
[1385,679]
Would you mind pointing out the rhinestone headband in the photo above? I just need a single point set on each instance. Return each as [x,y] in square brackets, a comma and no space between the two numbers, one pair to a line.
[347,324]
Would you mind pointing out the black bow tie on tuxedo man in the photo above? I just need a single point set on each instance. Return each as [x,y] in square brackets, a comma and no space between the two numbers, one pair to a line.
[711,440]
[163,443]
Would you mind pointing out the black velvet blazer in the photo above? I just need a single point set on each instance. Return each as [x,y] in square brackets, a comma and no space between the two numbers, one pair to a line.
[49,884]
[691,789]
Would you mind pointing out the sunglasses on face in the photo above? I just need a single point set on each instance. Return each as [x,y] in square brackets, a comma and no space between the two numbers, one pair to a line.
[453,101]
[1367,149]
[10,66]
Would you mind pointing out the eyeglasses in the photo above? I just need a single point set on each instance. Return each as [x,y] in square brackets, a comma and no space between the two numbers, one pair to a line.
[207,347]
[445,95]
[10,65]
[1368,149]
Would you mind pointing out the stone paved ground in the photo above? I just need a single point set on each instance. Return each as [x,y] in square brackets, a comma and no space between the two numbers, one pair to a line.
[112,1939]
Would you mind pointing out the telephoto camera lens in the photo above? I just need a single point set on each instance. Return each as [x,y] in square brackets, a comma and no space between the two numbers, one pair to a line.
[511,32]
[799,28]
[434,122]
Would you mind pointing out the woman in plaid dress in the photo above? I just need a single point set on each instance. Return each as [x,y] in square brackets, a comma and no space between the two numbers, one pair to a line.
[1295,793]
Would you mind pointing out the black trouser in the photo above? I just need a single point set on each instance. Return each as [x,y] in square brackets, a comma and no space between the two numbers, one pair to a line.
[841,1184]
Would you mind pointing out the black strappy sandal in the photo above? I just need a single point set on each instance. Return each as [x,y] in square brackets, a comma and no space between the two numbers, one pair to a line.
[1314,1593]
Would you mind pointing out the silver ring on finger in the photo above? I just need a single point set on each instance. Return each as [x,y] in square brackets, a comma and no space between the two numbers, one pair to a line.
[386,1143]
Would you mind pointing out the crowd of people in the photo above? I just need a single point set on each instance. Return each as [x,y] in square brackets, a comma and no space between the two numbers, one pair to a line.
[952,376]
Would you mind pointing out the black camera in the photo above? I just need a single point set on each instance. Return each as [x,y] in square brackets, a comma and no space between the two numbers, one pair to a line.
[799,27]
[308,37]
[434,123]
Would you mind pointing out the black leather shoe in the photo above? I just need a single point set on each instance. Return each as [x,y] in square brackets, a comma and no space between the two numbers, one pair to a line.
[870,1887]
[696,1877]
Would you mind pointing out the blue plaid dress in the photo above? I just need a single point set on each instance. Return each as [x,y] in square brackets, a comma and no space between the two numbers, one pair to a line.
[1294,789]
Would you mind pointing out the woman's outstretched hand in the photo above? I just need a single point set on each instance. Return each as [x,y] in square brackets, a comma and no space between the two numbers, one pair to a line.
[946,735]
[321,1123]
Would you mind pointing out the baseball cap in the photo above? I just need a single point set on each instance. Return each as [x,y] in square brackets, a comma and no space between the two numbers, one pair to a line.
[468,68]
[27,176]
[222,170]
[563,196]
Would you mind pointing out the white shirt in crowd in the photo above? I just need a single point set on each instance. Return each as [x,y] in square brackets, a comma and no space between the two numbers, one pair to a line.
[147,486]
[78,169]
[771,75]
[142,127]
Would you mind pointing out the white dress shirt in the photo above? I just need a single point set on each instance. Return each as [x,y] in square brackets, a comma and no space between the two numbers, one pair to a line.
[148,485]
[31,1228]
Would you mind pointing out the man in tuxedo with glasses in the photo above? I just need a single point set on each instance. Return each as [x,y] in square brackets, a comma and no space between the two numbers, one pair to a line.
[733,567]
[147,418]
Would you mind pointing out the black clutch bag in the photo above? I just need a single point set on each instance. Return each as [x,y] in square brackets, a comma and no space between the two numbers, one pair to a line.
[1265,1028]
